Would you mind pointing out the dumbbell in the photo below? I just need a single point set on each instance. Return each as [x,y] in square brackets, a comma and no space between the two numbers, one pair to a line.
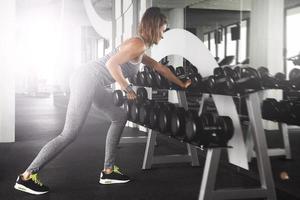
[294,77]
[286,111]
[164,117]
[154,115]
[249,79]
[269,81]
[178,118]
[270,109]
[209,129]
[119,98]
[290,111]
[282,82]
[162,82]
[144,113]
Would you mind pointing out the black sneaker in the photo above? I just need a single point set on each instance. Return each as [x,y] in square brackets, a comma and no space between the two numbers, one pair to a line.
[115,177]
[32,186]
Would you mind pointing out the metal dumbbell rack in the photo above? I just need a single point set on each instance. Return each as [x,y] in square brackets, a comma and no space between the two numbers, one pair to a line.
[266,188]
[150,139]
[285,151]
[150,158]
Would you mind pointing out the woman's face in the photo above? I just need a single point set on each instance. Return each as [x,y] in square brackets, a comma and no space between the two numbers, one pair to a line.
[162,29]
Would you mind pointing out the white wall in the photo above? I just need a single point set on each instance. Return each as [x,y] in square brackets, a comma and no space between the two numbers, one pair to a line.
[176,20]
[7,90]
[266,40]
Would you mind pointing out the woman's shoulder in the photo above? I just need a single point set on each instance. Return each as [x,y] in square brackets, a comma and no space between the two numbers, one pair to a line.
[135,42]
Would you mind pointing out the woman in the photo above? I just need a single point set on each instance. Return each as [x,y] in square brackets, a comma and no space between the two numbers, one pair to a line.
[87,86]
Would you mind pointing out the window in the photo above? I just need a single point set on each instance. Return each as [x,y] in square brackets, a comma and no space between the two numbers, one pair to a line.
[231,44]
[128,17]
[205,40]
[243,42]
[292,36]
[212,44]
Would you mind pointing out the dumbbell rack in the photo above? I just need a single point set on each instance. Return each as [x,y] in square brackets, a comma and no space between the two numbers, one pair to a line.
[150,139]
[285,151]
[150,158]
[266,189]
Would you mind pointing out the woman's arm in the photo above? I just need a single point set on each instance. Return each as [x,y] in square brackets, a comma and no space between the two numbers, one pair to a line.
[164,71]
[127,51]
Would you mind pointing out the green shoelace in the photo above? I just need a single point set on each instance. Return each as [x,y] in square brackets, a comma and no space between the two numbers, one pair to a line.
[35,179]
[117,169]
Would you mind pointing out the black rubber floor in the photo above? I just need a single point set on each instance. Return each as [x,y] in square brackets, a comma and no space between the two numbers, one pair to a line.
[75,173]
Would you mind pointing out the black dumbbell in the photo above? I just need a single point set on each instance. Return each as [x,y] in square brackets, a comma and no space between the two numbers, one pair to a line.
[209,130]
[150,79]
[294,77]
[250,80]
[220,84]
[144,113]
[194,127]
[141,78]
[119,98]
[282,82]
[154,115]
[269,81]
[178,118]
[290,111]
[164,118]
[270,109]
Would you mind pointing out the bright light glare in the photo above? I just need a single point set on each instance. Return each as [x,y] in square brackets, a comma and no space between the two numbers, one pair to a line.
[38,47]
[293,32]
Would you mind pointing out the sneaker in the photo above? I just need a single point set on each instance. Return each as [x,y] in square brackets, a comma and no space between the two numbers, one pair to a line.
[32,185]
[115,177]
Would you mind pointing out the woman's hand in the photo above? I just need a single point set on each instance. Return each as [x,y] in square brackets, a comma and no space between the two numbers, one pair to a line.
[131,95]
[186,84]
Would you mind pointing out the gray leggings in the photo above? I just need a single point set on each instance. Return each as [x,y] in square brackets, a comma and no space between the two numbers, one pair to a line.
[85,89]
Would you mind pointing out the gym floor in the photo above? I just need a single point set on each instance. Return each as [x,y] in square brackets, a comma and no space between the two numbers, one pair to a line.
[74,174]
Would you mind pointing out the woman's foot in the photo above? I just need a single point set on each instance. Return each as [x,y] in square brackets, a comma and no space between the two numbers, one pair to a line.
[32,185]
[113,176]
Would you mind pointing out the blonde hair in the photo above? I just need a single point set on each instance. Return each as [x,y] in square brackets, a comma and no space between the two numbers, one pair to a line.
[149,27]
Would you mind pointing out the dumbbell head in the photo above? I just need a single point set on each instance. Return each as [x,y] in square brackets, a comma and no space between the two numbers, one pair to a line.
[263,71]
[133,79]
[229,72]
[144,113]
[154,115]
[294,77]
[119,98]
[141,78]
[191,126]
[192,69]
[270,109]
[280,76]
[150,79]
[160,81]
[196,125]
[196,80]
[179,71]
[127,108]
[164,118]
[219,72]
[178,122]
[224,132]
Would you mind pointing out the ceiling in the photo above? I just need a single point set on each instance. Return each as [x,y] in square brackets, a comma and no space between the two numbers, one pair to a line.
[204,4]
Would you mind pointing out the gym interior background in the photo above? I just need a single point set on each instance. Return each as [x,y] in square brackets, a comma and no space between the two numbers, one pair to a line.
[42,42]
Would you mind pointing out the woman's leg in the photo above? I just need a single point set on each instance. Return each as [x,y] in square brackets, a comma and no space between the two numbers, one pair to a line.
[82,90]
[118,117]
